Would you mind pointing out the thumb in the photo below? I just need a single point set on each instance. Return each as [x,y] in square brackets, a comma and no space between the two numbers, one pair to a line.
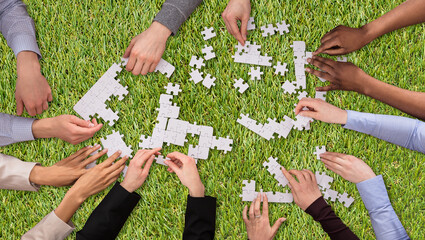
[276,225]
[310,114]
[128,50]
[81,122]
[19,106]
[173,167]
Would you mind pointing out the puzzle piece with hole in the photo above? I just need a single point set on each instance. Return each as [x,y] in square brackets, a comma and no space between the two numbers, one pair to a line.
[196,62]
[208,33]
[240,85]
[255,73]
[282,27]
[208,81]
[173,89]
[268,30]
[319,151]
[347,201]
[280,68]
[208,51]
[288,87]
[251,24]
[114,142]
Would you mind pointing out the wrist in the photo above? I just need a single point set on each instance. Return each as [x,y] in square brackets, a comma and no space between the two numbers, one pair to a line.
[42,128]
[344,117]
[160,30]
[27,61]
[370,33]
[76,195]
[37,175]
[367,85]
[128,186]
[197,191]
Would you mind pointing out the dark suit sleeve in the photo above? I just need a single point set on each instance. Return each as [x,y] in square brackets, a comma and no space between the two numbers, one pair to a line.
[200,218]
[333,226]
[108,218]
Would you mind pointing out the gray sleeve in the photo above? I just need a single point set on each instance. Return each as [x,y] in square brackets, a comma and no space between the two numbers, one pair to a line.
[15,129]
[174,12]
[18,27]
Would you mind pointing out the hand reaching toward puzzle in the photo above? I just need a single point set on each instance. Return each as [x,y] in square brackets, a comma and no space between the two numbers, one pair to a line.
[258,225]
[305,190]
[32,89]
[342,40]
[348,167]
[321,110]
[146,49]
[66,127]
[237,10]
[341,75]
[93,181]
[66,171]
[185,168]
[136,172]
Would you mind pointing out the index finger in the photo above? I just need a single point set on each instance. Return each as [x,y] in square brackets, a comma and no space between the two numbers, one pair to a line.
[331,43]
[179,156]
[108,162]
[265,212]
[305,102]
[236,33]
[333,157]
[289,177]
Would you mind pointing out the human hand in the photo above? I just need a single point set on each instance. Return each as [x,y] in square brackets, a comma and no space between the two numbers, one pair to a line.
[305,191]
[185,168]
[66,171]
[342,40]
[32,89]
[342,75]
[237,10]
[258,224]
[321,110]
[136,173]
[348,167]
[146,49]
[66,127]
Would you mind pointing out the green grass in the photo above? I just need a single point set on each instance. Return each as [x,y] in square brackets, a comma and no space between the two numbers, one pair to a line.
[80,40]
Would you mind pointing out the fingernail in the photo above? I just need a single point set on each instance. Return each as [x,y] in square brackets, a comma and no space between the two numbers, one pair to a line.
[119,151]
[105,150]
[309,60]
[91,125]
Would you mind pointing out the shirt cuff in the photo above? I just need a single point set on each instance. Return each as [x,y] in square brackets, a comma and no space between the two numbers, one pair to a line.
[202,205]
[50,227]
[316,207]
[360,122]
[171,17]
[22,129]
[120,194]
[373,193]
[25,43]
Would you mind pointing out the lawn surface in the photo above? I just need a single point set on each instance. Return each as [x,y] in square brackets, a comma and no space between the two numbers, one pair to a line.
[80,40]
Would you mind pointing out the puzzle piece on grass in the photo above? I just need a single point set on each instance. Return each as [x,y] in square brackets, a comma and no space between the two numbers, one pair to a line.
[330,194]
[280,68]
[347,201]
[251,24]
[274,169]
[223,144]
[319,151]
[255,73]
[288,87]
[196,76]
[208,33]
[302,95]
[321,95]
[208,51]
[208,81]
[268,30]
[301,122]
[241,85]
[113,142]
[165,68]
[173,89]
[282,27]
[323,180]
[196,62]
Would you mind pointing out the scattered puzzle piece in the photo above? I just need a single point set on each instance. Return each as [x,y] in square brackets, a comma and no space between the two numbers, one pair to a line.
[173,89]
[196,62]
[267,30]
[208,51]
[208,33]
[241,85]
[255,73]
[251,24]
[288,87]
[319,151]
[196,76]
[282,27]
[280,68]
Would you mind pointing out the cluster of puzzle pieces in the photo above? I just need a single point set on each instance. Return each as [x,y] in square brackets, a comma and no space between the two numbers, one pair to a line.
[249,194]
[267,131]
[250,54]
[269,29]
[171,130]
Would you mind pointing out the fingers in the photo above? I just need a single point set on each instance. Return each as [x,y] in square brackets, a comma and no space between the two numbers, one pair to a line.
[320,74]
[94,157]
[50,97]
[289,177]
[334,157]
[324,64]
[251,210]
[108,162]
[128,50]
[298,174]
[45,105]
[325,46]
[244,216]
[310,103]
[138,67]
[257,207]
[19,106]
[265,206]
[179,156]
[173,167]
[327,88]
[244,27]
[148,165]
[78,153]
[118,164]
[276,225]
[146,67]
[235,30]
[306,175]
[312,176]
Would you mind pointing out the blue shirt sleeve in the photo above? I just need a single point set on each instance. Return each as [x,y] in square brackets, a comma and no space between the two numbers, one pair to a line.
[384,220]
[405,132]
[15,129]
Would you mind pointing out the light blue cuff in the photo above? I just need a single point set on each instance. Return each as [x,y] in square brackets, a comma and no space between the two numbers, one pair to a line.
[373,193]
[360,122]
[25,43]
[22,129]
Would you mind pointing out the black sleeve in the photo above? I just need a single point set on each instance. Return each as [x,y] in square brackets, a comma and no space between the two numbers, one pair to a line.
[333,226]
[108,218]
[200,218]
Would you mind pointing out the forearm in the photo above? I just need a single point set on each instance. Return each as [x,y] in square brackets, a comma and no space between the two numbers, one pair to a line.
[331,224]
[408,13]
[383,217]
[69,205]
[18,27]
[175,12]
[407,101]
[15,129]
[15,174]
[405,132]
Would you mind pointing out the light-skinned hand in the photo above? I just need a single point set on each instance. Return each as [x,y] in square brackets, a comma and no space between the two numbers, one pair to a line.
[32,89]
[136,172]
[237,10]
[342,40]
[146,49]
[66,171]
[305,191]
[185,168]
[342,75]
[66,127]
[258,225]
[321,110]
[348,167]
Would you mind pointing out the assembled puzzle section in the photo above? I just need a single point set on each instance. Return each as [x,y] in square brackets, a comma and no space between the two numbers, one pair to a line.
[114,142]
[250,54]
[269,29]
[267,131]
[94,101]
[163,67]
[324,181]
[249,194]
[275,169]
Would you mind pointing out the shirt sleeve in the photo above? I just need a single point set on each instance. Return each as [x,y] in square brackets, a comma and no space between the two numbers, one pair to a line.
[18,27]
[405,132]
[15,129]
[109,217]
[51,227]
[175,12]
[200,218]
[384,220]
[15,174]
[331,224]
